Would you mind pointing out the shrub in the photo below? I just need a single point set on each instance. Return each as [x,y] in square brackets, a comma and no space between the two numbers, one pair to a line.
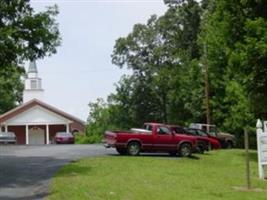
[87,139]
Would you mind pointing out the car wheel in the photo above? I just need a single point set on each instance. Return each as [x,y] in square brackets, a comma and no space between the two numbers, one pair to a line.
[185,150]
[200,148]
[133,148]
[121,151]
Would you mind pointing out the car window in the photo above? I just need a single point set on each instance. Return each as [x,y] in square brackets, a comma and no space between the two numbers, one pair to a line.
[205,128]
[162,130]
[64,134]
[213,130]
[201,133]
[210,129]
[148,127]
[7,134]
[192,131]
[179,130]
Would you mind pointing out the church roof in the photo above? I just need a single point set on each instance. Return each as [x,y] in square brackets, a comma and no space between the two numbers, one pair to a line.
[32,67]
[26,106]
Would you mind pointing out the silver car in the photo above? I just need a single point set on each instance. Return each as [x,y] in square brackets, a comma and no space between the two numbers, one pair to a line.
[8,138]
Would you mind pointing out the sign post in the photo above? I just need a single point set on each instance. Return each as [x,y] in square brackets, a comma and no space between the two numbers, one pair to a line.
[262,147]
[247,159]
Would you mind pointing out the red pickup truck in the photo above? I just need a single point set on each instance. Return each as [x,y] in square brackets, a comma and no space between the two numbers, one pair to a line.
[154,137]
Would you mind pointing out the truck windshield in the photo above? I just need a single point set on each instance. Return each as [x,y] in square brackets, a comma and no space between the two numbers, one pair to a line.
[213,131]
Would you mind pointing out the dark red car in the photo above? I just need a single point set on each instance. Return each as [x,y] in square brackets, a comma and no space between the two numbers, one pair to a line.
[214,142]
[64,138]
[204,141]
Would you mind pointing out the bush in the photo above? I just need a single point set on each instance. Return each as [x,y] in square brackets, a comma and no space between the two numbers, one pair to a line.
[90,139]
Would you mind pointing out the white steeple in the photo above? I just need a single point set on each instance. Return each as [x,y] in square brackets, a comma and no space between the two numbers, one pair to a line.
[33,84]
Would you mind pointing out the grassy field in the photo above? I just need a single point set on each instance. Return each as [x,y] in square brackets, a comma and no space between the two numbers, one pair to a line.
[211,176]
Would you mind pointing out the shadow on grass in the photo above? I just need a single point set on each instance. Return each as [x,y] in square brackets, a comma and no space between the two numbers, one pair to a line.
[207,153]
[156,155]
[74,170]
[194,157]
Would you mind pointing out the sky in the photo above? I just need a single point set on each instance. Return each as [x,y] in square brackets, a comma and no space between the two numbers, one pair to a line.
[81,71]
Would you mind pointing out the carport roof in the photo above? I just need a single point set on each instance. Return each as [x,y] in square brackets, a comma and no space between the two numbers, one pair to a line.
[26,106]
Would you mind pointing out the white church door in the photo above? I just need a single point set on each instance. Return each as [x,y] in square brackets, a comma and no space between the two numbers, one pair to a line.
[36,136]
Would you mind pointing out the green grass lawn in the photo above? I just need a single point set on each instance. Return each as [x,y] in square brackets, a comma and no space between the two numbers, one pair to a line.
[212,176]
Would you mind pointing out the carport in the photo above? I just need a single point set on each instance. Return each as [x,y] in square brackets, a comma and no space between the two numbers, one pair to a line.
[36,123]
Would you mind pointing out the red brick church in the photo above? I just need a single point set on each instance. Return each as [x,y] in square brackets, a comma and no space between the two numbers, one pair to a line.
[35,122]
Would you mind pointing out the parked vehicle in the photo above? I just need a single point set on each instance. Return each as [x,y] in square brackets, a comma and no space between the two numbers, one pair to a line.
[214,142]
[154,137]
[8,138]
[226,139]
[64,138]
[204,143]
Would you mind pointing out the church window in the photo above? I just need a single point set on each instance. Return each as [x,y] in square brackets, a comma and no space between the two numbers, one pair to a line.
[33,84]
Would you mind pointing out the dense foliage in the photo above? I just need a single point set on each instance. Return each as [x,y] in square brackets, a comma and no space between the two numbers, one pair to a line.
[24,35]
[168,55]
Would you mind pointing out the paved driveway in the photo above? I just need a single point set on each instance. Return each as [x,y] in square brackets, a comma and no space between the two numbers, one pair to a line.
[25,171]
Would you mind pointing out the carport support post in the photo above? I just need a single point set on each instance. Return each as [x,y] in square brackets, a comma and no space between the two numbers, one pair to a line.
[27,133]
[247,159]
[67,128]
[47,134]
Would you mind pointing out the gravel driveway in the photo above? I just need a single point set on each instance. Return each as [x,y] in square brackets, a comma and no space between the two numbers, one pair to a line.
[25,171]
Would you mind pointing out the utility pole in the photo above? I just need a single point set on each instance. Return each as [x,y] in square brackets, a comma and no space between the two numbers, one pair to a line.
[207,101]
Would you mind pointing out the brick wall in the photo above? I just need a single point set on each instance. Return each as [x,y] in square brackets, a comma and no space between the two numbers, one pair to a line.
[20,133]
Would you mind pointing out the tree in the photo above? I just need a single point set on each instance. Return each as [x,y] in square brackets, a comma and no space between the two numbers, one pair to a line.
[24,35]
[235,34]
[249,60]
[166,57]
[11,87]
[163,56]
[102,116]
[136,102]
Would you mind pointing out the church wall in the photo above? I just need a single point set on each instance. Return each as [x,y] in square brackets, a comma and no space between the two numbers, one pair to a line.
[77,126]
[20,133]
[33,94]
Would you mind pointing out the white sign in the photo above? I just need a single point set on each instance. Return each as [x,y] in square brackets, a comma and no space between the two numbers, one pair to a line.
[262,147]
[265,126]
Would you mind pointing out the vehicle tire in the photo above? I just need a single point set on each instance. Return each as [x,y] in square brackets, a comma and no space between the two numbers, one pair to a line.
[185,150]
[201,148]
[229,145]
[121,151]
[133,148]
